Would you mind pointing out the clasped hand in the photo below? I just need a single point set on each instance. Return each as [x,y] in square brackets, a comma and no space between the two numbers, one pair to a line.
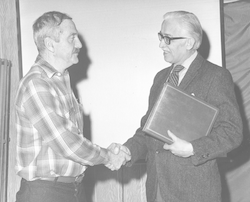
[118,156]
[179,147]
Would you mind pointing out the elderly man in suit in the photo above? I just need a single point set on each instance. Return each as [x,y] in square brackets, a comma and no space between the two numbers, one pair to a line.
[187,171]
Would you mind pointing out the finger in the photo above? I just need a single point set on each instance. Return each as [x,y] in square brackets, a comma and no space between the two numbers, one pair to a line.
[117,166]
[173,137]
[127,157]
[125,149]
[114,148]
[167,146]
[109,166]
[112,168]
[174,153]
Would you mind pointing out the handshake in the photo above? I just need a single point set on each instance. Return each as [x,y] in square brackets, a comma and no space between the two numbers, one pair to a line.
[118,156]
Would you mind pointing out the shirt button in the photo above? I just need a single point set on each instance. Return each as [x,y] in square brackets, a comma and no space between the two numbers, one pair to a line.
[157,152]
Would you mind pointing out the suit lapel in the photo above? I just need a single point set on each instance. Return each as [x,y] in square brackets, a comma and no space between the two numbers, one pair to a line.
[192,71]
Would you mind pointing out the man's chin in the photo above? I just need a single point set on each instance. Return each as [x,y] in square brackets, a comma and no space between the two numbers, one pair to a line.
[167,59]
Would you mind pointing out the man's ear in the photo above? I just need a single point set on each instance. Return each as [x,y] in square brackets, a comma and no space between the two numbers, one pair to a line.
[190,42]
[49,44]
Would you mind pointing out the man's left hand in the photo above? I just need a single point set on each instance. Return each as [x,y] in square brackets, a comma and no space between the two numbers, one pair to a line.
[179,147]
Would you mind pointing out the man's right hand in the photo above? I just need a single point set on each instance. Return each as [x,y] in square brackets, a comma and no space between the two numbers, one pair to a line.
[118,156]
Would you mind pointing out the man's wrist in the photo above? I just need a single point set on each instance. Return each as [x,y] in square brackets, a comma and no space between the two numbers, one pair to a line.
[126,150]
[105,155]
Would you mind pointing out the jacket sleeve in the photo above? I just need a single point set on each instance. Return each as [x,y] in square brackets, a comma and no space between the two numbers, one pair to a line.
[226,133]
[56,128]
[138,143]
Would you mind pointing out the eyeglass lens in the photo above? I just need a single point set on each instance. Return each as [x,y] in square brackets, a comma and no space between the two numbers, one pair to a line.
[168,39]
[165,38]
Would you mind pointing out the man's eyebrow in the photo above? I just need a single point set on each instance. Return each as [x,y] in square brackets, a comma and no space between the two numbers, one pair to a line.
[74,34]
[169,35]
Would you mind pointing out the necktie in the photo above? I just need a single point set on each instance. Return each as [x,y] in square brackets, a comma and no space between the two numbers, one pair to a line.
[174,76]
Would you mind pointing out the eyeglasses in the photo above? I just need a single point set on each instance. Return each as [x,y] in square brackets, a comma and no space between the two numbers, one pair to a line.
[168,39]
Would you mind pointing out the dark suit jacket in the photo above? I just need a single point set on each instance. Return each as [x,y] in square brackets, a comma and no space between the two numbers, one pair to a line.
[197,178]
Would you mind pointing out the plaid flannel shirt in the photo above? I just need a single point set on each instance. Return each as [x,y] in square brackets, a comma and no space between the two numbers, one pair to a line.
[49,125]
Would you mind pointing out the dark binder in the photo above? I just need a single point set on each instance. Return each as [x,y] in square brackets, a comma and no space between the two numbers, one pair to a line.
[186,116]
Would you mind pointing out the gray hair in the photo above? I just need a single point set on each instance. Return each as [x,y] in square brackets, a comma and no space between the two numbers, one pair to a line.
[189,22]
[47,25]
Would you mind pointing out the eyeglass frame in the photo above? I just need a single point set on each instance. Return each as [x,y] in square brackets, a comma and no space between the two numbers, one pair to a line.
[161,36]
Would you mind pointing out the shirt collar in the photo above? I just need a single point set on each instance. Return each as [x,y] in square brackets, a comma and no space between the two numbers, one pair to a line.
[186,64]
[49,69]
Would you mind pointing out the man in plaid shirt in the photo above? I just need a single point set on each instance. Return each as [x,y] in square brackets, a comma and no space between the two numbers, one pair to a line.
[52,153]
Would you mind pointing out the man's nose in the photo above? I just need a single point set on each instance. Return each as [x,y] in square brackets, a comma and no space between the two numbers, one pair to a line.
[78,43]
[162,44]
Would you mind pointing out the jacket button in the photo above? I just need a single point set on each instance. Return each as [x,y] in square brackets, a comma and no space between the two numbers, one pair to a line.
[205,155]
